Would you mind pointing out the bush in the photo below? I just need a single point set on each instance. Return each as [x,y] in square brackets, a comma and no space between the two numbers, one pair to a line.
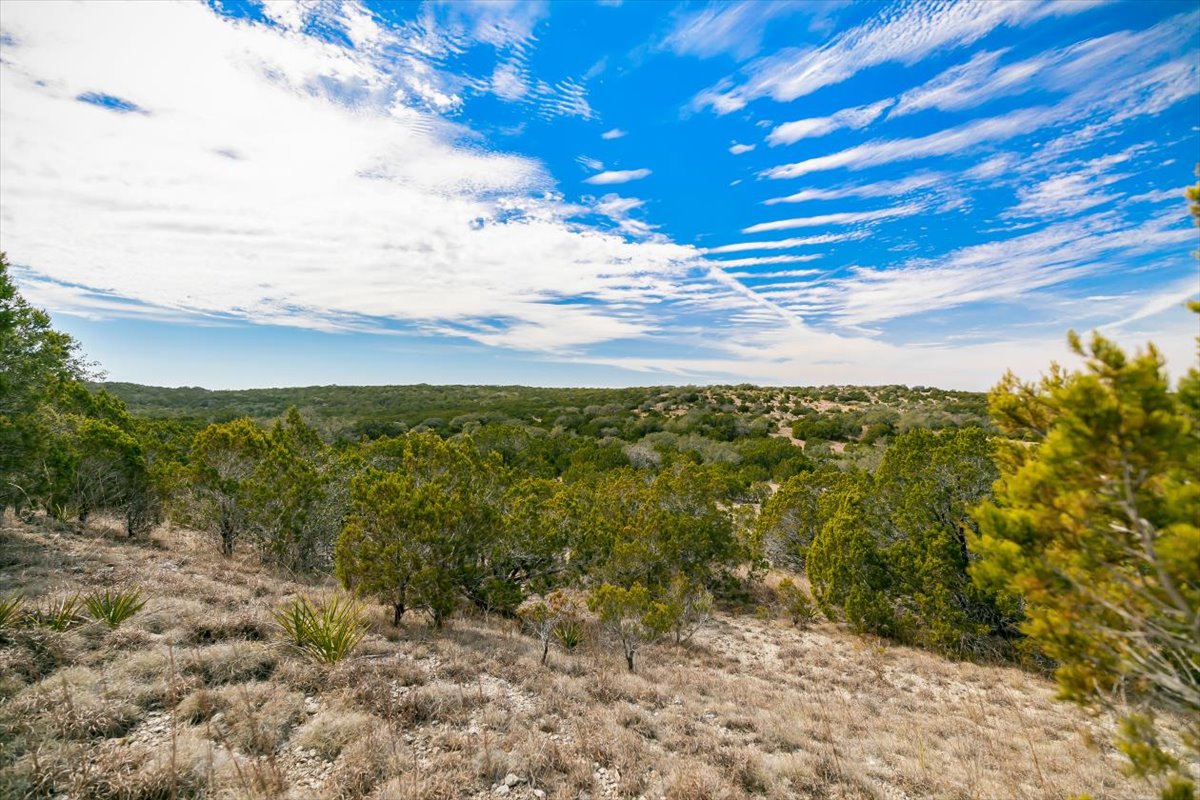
[557,615]
[796,603]
[326,631]
[114,607]
[631,616]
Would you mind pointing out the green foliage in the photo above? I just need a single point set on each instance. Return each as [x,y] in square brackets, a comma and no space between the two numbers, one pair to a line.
[112,607]
[57,613]
[689,607]
[792,517]
[298,496]
[419,534]
[326,631]
[1096,524]
[10,614]
[223,461]
[631,616]
[626,527]
[570,633]
[558,615]
[796,603]
[35,360]
[891,556]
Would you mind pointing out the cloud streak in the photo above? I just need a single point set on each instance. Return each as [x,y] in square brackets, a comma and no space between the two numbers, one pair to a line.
[617,176]
[840,218]
[903,34]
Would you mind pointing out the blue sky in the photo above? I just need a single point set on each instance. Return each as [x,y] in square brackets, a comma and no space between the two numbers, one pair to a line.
[245,194]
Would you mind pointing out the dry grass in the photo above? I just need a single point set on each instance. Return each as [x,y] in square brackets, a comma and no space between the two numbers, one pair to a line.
[195,697]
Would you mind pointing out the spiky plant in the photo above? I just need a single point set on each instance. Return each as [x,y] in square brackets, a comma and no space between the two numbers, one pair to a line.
[10,614]
[569,633]
[325,631]
[57,613]
[114,607]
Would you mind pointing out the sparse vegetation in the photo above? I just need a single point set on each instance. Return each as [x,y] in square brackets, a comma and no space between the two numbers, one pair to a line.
[10,614]
[797,605]
[57,613]
[326,630]
[112,607]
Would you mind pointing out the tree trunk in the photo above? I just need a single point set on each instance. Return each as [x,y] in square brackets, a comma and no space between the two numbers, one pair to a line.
[545,651]
[397,613]
[629,660]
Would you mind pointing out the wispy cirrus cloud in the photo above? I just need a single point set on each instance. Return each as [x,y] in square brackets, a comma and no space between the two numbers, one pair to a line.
[1050,256]
[1065,194]
[1101,59]
[735,28]
[614,176]
[841,218]
[902,34]
[853,118]
[761,260]
[946,142]
[1107,88]
[887,188]
[785,244]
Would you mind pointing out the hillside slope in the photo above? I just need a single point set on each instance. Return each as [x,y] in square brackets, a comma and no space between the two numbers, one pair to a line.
[196,697]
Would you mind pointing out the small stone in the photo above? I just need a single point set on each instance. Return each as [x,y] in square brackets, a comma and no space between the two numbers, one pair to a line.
[538,793]
[501,790]
[512,779]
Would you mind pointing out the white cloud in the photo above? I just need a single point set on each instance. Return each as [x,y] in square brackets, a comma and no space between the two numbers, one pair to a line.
[853,118]
[1103,98]
[842,218]
[735,28]
[1051,256]
[1158,196]
[509,82]
[754,262]
[283,179]
[969,84]
[1076,189]
[785,244]
[738,149]
[947,142]
[618,209]
[589,163]
[904,35]
[617,176]
[1104,59]
[1154,302]
[785,351]
[912,183]
[614,133]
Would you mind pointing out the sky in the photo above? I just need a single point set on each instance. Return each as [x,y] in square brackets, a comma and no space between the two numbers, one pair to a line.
[236,193]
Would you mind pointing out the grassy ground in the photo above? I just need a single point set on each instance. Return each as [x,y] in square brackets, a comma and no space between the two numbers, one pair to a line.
[195,696]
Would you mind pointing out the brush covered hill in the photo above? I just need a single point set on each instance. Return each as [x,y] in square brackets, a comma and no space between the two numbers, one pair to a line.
[196,695]
[725,413]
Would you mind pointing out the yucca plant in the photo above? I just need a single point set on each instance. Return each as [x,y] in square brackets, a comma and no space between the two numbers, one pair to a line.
[10,614]
[114,607]
[570,633]
[58,614]
[325,631]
